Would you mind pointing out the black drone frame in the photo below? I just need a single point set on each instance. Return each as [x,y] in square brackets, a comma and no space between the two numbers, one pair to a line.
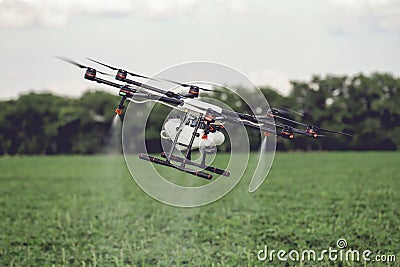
[203,121]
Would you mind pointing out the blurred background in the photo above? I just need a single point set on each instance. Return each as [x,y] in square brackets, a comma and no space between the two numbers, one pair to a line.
[366,106]
[336,61]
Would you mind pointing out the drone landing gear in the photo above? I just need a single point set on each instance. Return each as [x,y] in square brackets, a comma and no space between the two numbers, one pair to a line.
[167,163]
[188,162]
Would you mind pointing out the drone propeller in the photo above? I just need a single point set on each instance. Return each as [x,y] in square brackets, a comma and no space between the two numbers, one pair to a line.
[121,70]
[189,85]
[311,129]
[289,120]
[281,110]
[329,131]
[80,65]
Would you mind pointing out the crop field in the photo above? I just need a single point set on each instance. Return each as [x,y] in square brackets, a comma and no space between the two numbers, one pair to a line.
[88,211]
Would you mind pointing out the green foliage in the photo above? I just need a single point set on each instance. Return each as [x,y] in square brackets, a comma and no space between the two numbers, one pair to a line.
[367,106]
[48,124]
[87,211]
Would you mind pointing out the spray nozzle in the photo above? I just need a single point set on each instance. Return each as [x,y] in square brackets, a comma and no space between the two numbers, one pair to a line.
[121,106]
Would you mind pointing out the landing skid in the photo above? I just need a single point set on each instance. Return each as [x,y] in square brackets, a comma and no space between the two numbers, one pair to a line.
[208,168]
[168,164]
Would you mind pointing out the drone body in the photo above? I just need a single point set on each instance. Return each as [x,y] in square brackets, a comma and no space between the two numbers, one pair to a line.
[171,131]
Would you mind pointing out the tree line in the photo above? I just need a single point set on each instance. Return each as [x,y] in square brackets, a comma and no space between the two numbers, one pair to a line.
[366,106]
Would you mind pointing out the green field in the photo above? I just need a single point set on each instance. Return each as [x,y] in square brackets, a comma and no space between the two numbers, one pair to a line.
[87,211]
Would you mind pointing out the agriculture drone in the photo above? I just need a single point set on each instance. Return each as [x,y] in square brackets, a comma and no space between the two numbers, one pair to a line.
[201,124]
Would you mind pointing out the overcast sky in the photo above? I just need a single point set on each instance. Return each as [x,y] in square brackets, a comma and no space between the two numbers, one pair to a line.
[272,42]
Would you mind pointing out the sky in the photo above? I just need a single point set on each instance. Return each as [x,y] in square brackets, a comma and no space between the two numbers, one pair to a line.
[271,42]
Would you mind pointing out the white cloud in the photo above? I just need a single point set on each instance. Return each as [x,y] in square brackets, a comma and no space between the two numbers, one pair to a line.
[353,15]
[15,13]
[20,13]
[272,77]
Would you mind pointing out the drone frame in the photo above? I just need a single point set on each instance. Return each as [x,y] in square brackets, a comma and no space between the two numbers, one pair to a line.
[204,112]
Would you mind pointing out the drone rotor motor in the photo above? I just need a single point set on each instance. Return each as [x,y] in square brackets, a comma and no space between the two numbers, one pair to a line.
[90,74]
[194,91]
[121,75]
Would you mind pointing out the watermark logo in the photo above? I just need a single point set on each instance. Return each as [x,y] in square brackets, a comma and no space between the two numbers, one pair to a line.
[341,243]
[339,253]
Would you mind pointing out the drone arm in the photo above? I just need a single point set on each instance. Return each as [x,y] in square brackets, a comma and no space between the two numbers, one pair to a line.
[251,121]
[289,120]
[116,85]
[233,114]
[130,92]
[154,89]
[248,123]
[165,99]
[336,132]
[261,128]
[302,132]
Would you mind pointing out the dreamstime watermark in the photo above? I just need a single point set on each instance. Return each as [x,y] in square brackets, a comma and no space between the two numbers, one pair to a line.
[339,253]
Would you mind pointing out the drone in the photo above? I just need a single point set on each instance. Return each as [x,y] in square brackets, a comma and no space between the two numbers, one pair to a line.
[201,124]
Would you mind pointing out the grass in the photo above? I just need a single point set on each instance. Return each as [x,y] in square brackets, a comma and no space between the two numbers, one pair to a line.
[87,211]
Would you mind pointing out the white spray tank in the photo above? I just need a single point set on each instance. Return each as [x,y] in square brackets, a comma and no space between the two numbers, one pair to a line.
[170,130]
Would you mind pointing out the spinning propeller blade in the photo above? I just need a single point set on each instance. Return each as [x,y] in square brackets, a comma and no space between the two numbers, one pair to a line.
[332,131]
[292,121]
[315,129]
[283,109]
[189,85]
[280,110]
[80,65]
[115,68]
